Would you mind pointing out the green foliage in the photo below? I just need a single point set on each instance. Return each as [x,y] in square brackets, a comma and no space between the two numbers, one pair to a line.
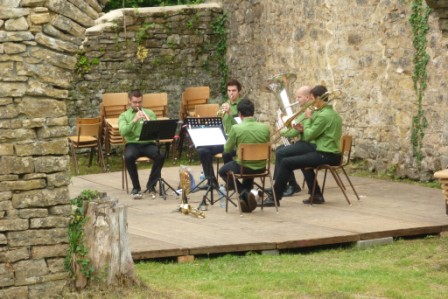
[78,252]
[142,33]
[420,27]
[115,4]
[84,64]
[220,29]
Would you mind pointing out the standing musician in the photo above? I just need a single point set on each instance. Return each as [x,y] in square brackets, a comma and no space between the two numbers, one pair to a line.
[130,125]
[228,112]
[322,129]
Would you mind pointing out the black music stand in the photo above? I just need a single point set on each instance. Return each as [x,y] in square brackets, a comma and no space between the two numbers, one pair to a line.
[158,130]
[206,131]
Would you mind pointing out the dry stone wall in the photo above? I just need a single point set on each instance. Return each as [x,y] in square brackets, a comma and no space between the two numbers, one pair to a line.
[38,45]
[361,47]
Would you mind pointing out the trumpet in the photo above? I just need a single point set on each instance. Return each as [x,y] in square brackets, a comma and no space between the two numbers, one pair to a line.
[141,110]
[185,208]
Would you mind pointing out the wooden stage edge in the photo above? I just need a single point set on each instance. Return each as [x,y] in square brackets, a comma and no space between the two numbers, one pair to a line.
[298,244]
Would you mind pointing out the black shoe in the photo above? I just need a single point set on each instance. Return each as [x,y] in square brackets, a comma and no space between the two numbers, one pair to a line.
[291,190]
[244,207]
[150,189]
[269,202]
[136,193]
[252,202]
[318,199]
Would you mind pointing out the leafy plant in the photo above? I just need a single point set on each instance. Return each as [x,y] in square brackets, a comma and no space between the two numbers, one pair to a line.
[420,27]
[78,252]
[220,29]
[84,64]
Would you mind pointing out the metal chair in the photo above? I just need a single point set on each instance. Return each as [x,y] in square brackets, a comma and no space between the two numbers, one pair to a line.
[346,149]
[252,152]
[88,132]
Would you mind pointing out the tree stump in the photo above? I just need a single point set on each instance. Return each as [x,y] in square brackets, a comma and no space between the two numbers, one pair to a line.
[107,241]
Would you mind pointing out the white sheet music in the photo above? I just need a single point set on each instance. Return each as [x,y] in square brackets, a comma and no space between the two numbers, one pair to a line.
[238,119]
[207,136]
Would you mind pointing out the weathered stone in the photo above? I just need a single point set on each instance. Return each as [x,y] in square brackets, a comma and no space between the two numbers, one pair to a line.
[18,36]
[38,237]
[51,287]
[22,185]
[33,213]
[3,240]
[19,24]
[57,45]
[14,48]
[49,222]
[36,88]
[39,19]
[42,148]
[69,10]
[13,13]
[16,292]
[65,210]
[13,225]
[5,205]
[6,275]
[14,254]
[16,165]
[28,272]
[55,58]
[38,107]
[11,89]
[67,25]
[42,252]
[59,121]
[33,123]
[9,177]
[58,179]
[56,265]
[16,134]
[86,8]
[6,68]
[33,176]
[5,196]
[32,3]
[6,149]
[40,198]
[10,124]
[50,74]
[51,164]
[52,132]
[50,30]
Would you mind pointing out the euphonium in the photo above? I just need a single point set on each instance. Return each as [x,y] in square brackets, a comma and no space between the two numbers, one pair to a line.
[185,208]
[279,85]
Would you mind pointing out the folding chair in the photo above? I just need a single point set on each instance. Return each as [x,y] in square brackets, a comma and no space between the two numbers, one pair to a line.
[252,152]
[346,149]
[88,136]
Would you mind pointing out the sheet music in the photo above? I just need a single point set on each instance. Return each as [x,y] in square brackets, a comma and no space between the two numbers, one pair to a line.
[207,136]
[238,119]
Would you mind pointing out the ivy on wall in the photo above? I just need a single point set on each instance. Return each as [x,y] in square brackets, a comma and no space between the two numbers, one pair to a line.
[420,27]
[220,29]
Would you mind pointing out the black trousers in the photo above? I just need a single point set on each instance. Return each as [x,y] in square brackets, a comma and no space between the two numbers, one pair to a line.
[247,184]
[206,154]
[295,149]
[308,159]
[135,150]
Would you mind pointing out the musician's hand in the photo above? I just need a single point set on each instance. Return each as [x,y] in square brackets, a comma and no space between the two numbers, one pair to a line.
[298,127]
[225,107]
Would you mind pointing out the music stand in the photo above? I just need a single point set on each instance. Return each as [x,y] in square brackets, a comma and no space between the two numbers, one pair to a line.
[206,131]
[158,130]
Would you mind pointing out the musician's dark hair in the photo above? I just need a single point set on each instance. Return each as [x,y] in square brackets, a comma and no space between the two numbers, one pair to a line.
[135,93]
[246,107]
[319,91]
[234,82]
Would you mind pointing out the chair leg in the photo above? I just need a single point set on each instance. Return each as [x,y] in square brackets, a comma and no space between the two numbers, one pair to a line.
[73,154]
[273,194]
[337,178]
[350,182]
[101,157]
[124,176]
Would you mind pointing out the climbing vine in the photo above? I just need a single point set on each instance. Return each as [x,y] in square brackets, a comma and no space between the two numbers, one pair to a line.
[420,27]
[219,28]
[84,64]
[77,257]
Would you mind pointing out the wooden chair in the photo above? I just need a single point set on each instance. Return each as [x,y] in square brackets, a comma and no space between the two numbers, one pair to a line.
[206,110]
[158,102]
[252,152]
[112,105]
[346,149]
[124,171]
[88,132]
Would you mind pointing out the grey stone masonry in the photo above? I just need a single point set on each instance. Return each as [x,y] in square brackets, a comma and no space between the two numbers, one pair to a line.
[39,40]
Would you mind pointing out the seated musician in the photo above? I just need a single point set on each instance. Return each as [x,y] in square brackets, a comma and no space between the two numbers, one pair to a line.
[323,127]
[228,112]
[130,125]
[249,131]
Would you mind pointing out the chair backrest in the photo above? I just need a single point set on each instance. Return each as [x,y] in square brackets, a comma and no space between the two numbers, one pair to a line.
[113,104]
[88,127]
[206,110]
[157,102]
[255,152]
[346,149]
[191,97]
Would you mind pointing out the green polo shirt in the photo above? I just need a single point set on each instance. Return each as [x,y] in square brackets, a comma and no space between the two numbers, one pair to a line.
[325,128]
[130,130]
[249,131]
[228,120]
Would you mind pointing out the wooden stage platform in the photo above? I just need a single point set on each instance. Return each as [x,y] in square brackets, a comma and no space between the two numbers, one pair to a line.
[157,230]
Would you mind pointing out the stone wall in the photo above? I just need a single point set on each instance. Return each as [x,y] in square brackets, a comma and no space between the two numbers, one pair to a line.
[38,45]
[180,45]
[361,47]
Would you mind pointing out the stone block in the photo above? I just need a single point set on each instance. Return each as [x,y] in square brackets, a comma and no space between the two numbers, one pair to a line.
[6,275]
[19,24]
[16,165]
[48,289]
[29,271]
[52,164]
[13,13]
[56,265]
[39,19]
[61,210]
[6,149]
[42,148]
[59,179]
[39,252]
[49,222]
[22,185]
[5,196]
[13,224]
[14,254]
[33,213]
[16,292]
[38,237]
[40,198]
[374,242]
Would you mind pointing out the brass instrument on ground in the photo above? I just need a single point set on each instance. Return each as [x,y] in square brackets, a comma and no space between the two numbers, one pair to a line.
[185,208]
[314,105]
[279,85]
